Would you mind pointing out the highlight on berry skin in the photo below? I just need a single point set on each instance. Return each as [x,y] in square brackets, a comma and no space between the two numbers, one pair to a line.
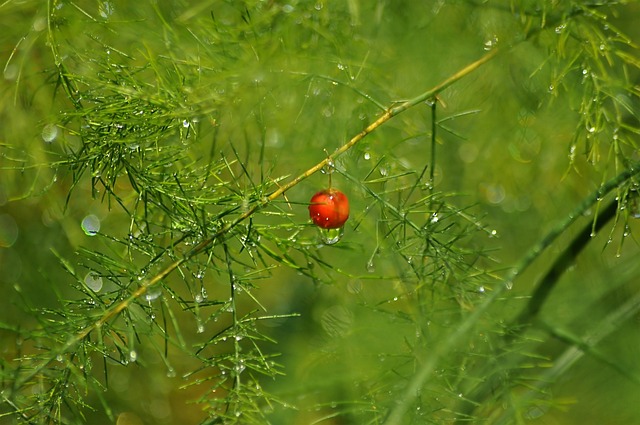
[329,209]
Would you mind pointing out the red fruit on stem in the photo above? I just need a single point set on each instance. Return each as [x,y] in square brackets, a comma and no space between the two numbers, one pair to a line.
[329,209]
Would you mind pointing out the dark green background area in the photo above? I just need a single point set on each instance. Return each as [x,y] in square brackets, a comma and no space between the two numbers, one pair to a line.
[278,86]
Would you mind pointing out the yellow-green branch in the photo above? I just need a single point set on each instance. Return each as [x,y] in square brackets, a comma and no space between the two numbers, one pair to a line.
[116,309]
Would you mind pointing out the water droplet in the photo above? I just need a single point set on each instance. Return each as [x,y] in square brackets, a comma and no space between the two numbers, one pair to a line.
[239,368]
[91,225]
[535,412]
[133,355]
[491,43]
[481,289]
[328,111]
[171,372]
[331,236]
[185,123]
[10,72]
[329,167]
[49,133]
[337,321]
[319,5]
[152,294]
[371,268]
[367,156]
[93,281]
[105,9]
[560,28]
[354,286]
[434,218]
[8,231]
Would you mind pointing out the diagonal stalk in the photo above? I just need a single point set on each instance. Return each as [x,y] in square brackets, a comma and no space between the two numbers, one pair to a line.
[428,367]
[116,309]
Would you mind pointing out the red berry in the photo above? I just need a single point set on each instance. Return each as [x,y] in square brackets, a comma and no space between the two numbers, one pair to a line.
[329,209]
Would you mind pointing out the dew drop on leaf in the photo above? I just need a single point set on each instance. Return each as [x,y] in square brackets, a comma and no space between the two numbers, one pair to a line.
[91,225]
[49,133]
[93,281]
[152,294]
[371,268]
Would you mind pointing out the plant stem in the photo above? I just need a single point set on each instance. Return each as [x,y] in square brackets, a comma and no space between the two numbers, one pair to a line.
[578,347]
[540,295]
[113,311]
[428,367]
[560,265]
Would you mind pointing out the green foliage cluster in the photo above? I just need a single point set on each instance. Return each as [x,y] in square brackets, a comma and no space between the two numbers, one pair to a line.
[162,154]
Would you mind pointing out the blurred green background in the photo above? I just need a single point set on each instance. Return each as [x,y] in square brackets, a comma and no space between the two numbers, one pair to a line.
[283,83]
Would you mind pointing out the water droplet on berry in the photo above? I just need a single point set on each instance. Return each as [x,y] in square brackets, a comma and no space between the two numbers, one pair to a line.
[331,236]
